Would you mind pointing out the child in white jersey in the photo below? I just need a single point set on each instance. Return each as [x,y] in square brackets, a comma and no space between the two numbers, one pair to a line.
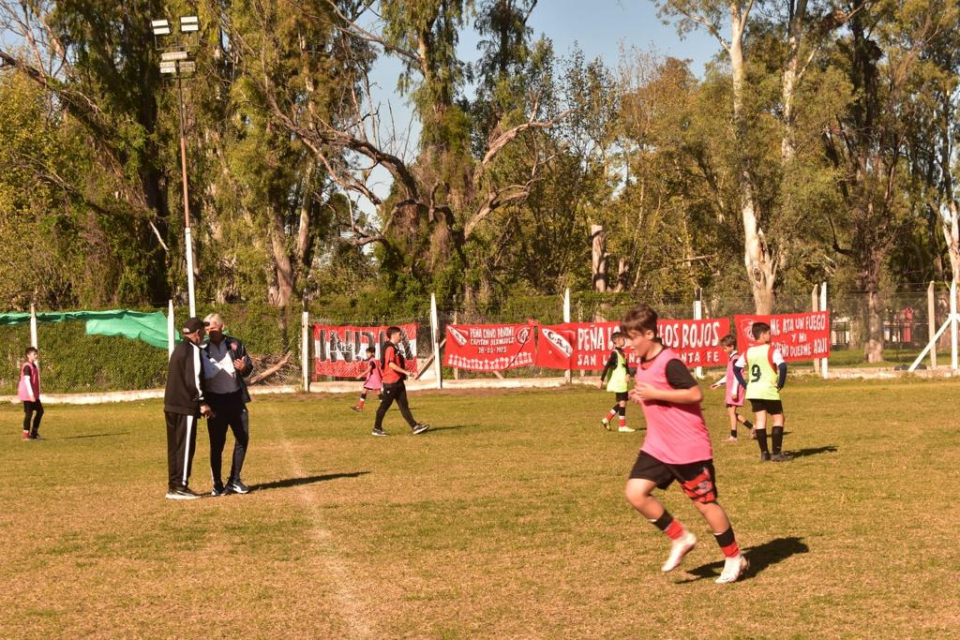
[734,395]
[676,446]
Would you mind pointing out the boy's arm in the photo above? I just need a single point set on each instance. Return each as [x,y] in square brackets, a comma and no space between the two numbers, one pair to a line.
[781,369]
[608,367]
[719,383]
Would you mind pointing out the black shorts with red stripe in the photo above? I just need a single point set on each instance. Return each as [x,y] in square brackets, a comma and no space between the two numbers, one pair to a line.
[697,479]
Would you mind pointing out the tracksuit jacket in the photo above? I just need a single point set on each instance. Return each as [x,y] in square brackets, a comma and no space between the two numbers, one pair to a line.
[186,387]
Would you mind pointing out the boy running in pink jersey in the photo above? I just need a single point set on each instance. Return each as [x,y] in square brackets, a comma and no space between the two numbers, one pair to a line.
[372,379]
[734,397]
[676,446]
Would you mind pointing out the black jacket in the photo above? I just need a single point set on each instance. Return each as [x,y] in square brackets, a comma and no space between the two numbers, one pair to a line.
[239,353]
[185,383]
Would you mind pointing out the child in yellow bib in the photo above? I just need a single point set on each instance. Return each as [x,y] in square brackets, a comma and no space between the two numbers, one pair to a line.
[617,383]
[763,371]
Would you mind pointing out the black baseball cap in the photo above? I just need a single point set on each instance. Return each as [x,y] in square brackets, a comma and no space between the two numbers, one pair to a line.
[192,325]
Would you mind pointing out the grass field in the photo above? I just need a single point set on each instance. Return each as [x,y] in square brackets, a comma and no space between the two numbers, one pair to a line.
[506,521]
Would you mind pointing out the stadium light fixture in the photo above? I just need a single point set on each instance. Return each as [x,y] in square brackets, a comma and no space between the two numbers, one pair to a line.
[168,68]
[168,56]
[189,24]
[160,27]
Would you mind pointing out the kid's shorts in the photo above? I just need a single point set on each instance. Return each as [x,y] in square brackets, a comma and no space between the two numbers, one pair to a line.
[773,407]
[697,479]
[622,396]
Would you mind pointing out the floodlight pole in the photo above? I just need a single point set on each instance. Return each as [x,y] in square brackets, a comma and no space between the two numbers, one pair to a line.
[188,237]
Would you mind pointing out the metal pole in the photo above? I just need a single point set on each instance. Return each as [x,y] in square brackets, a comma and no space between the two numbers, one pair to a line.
[434,331]
[305,349]
[825,362]
[814,303]
[953,325]
[568,376]
[171,329]
[932,323]
[698,315]
[188,237]
[33,327]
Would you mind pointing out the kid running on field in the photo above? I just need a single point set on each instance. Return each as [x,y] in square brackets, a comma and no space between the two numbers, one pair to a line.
[373,381]
[734,397]
[393,365]
[29,393]
[617,367]
[676,446]
[766,375]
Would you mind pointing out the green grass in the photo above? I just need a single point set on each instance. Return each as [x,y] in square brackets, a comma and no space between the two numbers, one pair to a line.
[507,521]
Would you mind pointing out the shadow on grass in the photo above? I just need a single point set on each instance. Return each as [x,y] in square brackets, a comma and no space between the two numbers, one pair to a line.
[760,557]
[814,451]
[296,482]
[98,435]
[452,427]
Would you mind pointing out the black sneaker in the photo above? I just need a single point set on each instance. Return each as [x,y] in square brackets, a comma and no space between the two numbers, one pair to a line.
[781,457]
[182,493]
[765,457]
[237,486]
[35,436]
[378,432]
[420,428]
[218,490]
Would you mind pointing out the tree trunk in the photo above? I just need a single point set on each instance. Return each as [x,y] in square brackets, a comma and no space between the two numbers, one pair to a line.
[599,259]
[873,345]
[282,292]
[756,255]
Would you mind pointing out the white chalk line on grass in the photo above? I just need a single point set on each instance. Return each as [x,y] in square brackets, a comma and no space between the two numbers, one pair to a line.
[343,587]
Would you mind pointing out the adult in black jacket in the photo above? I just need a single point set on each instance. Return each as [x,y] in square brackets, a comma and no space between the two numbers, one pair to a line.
[183,404]
[226,367]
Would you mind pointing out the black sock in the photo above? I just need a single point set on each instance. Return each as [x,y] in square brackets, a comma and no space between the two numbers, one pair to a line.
[747,424]
[762,440]
[777,439]
[663,521]
[733,432]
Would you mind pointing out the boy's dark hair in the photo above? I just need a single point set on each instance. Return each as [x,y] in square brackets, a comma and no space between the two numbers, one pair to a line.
[728,340]
[29,350]
[759,328]
[615,335]
[391,331]
[371,350]
[639,319]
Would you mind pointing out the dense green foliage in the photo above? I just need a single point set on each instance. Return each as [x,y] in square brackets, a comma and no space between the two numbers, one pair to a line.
[817,146]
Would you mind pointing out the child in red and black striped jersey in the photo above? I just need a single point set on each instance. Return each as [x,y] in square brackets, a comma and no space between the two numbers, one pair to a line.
[676,446]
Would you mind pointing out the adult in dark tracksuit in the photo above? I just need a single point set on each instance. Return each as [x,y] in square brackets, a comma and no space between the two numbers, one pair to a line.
[227,364]
[183,404]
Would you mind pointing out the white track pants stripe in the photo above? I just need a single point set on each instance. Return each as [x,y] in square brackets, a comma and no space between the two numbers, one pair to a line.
[186,449]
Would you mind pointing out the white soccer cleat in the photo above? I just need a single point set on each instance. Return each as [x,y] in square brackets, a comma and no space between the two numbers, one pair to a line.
[626,429]
[678,549]
[733,568]
[606,424]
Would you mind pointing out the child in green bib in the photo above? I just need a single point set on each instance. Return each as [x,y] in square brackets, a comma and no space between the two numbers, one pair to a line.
[617,383]
[766,373]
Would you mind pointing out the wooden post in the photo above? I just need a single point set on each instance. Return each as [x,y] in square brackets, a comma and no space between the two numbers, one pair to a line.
[825,362]
[434,330]
[456,319]
[305,349]
[814,304]
[171,330]
[568,376]
[932,322]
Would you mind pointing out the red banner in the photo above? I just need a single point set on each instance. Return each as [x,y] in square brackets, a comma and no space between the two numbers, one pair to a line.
[342,351]
[490,347]
[799,336]
[587,345]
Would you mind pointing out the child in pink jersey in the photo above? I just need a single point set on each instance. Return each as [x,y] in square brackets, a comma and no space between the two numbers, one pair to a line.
[373,381]
[29,393]
[734,396]
[676,446]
